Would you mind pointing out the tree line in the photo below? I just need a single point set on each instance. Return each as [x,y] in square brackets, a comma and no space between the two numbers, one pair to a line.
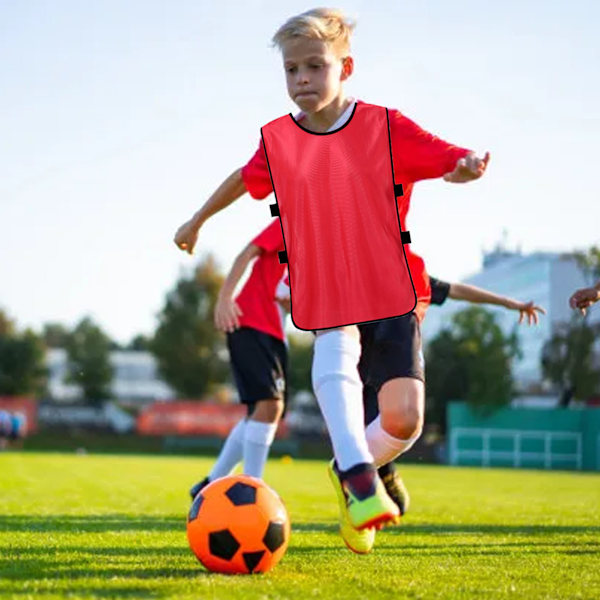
[470,359]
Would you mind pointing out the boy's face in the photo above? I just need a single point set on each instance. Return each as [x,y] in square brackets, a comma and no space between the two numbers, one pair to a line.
[313,72]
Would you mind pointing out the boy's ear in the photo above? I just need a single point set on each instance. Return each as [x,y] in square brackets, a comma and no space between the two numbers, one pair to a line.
[347,67]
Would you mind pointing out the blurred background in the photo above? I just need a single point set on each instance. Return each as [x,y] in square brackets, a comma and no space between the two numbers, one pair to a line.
[118,121]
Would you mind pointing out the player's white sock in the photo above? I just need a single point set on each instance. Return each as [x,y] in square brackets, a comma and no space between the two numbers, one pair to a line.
[383,446]
[338,389]
[231,452]
[257,441]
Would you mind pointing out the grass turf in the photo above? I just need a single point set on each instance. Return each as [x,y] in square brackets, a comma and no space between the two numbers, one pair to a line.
[114,527]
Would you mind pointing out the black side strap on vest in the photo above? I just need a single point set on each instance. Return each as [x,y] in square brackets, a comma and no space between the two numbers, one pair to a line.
[398,191]
[282,257]
[405,236]
[274,210]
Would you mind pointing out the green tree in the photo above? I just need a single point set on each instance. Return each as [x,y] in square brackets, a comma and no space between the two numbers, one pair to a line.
[22,370]
[568,360]
[589,262]
[470,361]
[88,361]
[140,343]
[189,349]
[55,335]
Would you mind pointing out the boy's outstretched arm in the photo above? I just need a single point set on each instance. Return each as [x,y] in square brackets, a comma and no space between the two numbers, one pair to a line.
[229,191]
[468,168]
[470,293]
[584,298]
[227,310]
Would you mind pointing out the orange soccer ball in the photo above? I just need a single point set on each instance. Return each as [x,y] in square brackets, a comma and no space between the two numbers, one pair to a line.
[238,524]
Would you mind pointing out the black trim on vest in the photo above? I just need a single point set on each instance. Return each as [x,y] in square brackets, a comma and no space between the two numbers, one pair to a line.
[398,191]
[402,237]
[274,210]
[405,235]
[282,257]
[325,132]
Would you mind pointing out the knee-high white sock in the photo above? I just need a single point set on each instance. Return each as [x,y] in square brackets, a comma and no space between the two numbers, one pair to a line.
[257,441]
[383,446]
[338,388]
[231,452]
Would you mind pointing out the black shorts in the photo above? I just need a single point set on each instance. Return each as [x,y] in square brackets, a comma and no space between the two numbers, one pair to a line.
[391,348]
[259,365]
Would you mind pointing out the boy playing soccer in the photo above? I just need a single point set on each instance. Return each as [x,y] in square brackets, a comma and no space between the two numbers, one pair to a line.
[315,48]
[254,326]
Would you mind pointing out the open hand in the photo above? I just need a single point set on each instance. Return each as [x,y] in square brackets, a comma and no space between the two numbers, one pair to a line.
[227,313]
[529,310]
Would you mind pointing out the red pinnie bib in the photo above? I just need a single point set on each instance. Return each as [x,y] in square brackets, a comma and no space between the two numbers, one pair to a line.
[336,200]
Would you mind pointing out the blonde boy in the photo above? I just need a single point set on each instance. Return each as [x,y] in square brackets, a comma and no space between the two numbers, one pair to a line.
[315,47]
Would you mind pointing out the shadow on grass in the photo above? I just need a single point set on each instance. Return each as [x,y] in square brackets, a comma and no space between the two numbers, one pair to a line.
[66,562]
[475,529]
[90,523]
[460,529]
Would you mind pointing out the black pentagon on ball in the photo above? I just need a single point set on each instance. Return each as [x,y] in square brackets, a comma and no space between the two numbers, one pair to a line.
[275,536]
[195,508]
[241,493]
[222,544]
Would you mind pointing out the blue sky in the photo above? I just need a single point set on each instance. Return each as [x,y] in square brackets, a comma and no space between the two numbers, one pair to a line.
[119,118]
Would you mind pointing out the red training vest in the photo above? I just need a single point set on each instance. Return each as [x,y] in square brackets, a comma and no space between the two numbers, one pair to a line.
[336,200]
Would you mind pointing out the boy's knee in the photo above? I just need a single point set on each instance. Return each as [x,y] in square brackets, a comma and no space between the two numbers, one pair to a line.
[403,417]
[267,411]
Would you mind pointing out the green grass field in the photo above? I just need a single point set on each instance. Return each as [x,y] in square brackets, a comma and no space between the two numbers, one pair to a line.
[114,527]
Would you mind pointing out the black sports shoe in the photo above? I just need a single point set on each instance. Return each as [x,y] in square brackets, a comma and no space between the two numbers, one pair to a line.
[394,486]
[194,490]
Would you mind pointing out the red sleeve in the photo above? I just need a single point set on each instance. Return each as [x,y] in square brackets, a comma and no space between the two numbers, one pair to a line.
[270,239]
[255,175]
[418,154]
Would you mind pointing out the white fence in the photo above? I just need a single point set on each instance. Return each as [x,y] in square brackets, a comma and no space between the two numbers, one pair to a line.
[516,456]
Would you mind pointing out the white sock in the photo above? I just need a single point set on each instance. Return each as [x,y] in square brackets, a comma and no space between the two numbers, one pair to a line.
[231,452]
[383,446]
[257,441]
[338,389]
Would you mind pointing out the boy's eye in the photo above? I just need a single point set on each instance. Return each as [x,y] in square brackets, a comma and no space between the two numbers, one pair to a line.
[315,66]
[291,69]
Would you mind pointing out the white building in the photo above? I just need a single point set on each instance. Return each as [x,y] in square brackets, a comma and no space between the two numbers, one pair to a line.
[135,379]
[547,278]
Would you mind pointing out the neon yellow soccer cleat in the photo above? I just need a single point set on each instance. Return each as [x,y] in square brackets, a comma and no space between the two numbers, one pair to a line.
[360,517]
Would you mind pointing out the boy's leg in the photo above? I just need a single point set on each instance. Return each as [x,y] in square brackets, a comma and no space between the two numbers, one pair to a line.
[394,396]
[231,453]
[260,432]
[338,388]
[400,422]
[258,362]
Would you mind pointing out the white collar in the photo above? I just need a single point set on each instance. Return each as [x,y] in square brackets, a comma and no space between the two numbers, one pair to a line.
[343,118]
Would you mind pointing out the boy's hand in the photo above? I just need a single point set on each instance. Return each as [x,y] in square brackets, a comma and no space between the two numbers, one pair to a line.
[529,310]
[227,312]
[187,236]
[468,168]
[584,298]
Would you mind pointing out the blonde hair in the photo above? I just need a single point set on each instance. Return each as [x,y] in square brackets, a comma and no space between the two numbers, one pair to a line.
[327,24]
